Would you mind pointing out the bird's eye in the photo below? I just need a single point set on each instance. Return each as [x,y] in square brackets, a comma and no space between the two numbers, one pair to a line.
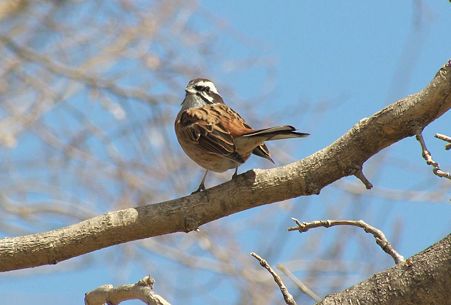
[202,88]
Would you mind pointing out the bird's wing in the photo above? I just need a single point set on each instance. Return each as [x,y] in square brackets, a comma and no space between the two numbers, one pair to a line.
[238,127]
[214,127]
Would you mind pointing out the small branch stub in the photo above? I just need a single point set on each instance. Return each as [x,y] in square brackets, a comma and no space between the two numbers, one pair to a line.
[381,240]
[142,290]
[286,294]
[359,174]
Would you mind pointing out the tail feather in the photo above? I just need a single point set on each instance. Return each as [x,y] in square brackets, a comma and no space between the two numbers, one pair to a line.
[255,139]
[263,151]
[276,133]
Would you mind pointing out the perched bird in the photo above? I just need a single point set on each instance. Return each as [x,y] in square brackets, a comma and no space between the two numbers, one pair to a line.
[215,136]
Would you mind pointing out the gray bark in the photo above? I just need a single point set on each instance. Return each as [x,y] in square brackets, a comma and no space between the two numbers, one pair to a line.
[426,281]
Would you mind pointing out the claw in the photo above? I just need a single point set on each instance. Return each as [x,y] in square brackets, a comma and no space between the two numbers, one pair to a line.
[201,185]
[199,189]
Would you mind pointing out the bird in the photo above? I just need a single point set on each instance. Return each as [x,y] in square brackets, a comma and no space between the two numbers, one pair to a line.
[215,136]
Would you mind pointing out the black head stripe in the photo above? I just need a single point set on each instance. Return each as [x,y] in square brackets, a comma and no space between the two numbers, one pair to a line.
[210,97]
[205,97]
[202,88]
[217,98]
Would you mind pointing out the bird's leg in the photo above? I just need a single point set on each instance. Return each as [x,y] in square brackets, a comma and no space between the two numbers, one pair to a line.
[235,174]
[201,185]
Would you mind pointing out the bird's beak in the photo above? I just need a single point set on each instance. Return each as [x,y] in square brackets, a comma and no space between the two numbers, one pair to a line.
[190,90]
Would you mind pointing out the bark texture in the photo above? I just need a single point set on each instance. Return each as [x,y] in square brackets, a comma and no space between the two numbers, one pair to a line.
[142,290]
[426,281]
[254,188]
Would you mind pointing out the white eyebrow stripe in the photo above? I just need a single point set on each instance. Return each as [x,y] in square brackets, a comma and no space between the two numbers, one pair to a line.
[208,84]
[205,96]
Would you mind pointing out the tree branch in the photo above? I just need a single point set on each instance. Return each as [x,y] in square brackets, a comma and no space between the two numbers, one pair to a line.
[428,157]
[254,188]
[142,290]
[444,138]
[283,289]
[74,73]
[381,240]
[302,287]
[425,281]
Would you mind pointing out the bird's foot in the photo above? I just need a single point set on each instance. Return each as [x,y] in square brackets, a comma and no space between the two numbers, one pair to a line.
[235,174]
[199,189]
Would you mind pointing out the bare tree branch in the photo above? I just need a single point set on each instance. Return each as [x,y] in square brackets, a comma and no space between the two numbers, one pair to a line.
[142,290]
[428,157]
[425,281]
[303,287]
[381,240]
[444,138]
[94,81]
[286,294]
[253,188]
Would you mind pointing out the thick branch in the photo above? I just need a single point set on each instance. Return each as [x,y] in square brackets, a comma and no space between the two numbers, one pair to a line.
[425,281]
[254,188]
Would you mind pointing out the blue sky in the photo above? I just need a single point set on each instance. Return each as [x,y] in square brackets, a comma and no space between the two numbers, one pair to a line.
[352,57]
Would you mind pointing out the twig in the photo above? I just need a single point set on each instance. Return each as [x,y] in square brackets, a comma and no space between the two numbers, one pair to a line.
[286,295]
[425,152]
[142,290]
[359,174]
[428,157]
[444,138]
[381,240]
[75,73]
[303,287]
